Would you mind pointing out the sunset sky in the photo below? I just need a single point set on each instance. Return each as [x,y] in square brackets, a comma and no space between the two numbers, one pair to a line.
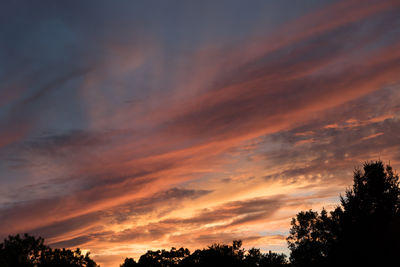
[135,125]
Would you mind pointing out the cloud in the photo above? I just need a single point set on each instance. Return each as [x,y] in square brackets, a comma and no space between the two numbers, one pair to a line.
[60,229]
[328,154]
[251,209]
[20,119]
[247,211]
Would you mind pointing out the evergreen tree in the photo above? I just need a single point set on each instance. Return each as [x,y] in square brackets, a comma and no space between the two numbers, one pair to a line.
[362,231]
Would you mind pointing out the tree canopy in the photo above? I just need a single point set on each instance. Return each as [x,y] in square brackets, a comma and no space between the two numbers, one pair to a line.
[362,231]
[215,255]
[29,251]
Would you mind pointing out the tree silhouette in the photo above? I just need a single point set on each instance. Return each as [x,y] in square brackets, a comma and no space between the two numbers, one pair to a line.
[162,258]
[362,231]
[21,251]
[312,237]
[66,258]
[217,255]
[28,251]
[370,223]
[254,258]
[129,262]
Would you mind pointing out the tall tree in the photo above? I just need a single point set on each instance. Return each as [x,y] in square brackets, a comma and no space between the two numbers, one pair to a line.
[371,217]
[362,231]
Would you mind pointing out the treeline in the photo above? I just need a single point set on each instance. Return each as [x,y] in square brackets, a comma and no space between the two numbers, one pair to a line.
[215,255]
[363,230]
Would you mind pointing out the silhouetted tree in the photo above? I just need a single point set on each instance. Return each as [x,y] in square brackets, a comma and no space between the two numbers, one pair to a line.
[28,251]
[363,231]
[21,251]
[271,259]
[254,258]
[129,262]
[371,218]
[163,258]
[313,236]
[217,255]
[66,258]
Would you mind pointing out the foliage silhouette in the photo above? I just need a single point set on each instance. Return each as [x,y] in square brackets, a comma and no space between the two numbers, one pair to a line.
[129,262]
[312,237]
[66,258]
[254,257]
[28,251]
[215,255]
[362,231]
[163,257]
[21,251]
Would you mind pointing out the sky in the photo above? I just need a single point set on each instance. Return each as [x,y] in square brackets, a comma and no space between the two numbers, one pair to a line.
[135,125]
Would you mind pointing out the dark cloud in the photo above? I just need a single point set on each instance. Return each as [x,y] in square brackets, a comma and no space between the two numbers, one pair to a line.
[69,225]
[73,242]
[74,141]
